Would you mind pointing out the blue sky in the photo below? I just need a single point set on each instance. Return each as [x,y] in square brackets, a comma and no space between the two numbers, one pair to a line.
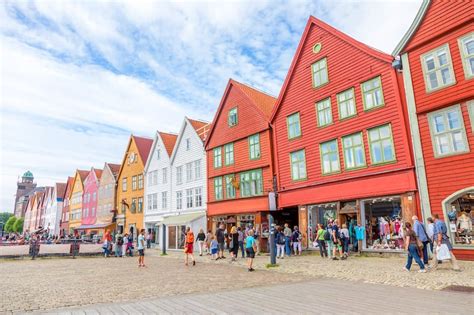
[77,77]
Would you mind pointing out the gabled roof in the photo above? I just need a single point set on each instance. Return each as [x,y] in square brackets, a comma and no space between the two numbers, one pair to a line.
[413,28]
[344,37]
[97,172]
[60,190]
[201,127]
[143,147]
[114,168]
[262,101]
[197,125]
[83,174]
[169,140]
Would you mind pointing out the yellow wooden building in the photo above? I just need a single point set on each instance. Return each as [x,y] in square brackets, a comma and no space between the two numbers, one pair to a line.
[75,208]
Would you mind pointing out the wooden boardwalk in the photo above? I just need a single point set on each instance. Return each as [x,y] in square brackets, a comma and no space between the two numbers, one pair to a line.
[329,296]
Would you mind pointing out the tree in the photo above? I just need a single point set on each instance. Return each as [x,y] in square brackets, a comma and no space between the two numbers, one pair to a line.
[9,225]
[4,216]
[18,225]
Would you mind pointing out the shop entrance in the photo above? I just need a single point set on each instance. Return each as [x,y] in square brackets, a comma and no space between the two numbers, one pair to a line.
[459,214]
[287,215]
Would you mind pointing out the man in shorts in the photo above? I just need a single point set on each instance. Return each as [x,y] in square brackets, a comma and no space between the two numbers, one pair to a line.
[220,237]
[141,248]
[337,241]
[250,248]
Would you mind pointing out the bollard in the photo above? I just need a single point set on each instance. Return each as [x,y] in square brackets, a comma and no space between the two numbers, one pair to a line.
[163,241]
[272,240]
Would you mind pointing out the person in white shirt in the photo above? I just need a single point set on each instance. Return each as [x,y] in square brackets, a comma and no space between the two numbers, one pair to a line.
[430,231]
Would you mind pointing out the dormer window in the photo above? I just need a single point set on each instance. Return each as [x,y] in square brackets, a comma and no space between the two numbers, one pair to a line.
[233,118]
[188,144]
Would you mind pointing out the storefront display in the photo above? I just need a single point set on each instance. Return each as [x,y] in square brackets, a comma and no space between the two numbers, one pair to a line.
[320,214]
[383,223]
[176,236]
[461,219]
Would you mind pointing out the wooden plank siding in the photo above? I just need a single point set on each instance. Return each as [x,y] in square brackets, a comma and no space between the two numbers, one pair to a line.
[348,67]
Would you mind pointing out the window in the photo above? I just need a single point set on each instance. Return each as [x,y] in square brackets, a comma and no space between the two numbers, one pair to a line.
[372,95]
[323,108]
[179,175]
[466,47]
[189,172]
[437,68]
[198,197]
[158,154]
[149,179]
[320,72]
[229,154]
[251,183]
[133,207]
[124,206]
[149,200]
[124,184]
[353,147]
[232,119]
[218,188]
[447,131]
[229,187]
[179,200]
[155,201]
[470,109]
[86,213]
[140,204]
[164,199]
[346,102]
[134,182]
[164,175]
[381,144]
[298,165]
[293,124]
[330,157]
[155,178]
[218,157]
[94,196]
[254,146]
[189,198]
[197,169]
[188,144]
[140,182]
[93,212]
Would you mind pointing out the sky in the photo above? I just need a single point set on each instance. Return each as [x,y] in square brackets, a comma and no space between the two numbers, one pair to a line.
[78,77]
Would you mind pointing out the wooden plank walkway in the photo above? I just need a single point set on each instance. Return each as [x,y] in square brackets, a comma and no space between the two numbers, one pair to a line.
[329,296]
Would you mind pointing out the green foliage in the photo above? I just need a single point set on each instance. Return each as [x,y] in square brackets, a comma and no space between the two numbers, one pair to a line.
[18,225]
[4,216]
[9,225]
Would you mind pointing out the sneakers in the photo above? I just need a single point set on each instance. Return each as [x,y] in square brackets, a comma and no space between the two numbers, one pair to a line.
[422,270]
[335,258]
[194,263]
[406,269]
[251,269]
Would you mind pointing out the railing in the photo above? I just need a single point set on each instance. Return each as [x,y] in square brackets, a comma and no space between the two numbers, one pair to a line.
[72,248]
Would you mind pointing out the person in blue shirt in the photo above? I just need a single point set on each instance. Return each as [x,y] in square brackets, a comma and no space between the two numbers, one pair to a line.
[440,237]
[420,232]
[250,248]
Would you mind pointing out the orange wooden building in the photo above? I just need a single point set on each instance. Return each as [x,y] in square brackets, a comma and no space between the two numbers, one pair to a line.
[342,145]
[437,58]
[239,159]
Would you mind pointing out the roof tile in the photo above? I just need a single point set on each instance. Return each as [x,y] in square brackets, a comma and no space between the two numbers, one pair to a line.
[169,140]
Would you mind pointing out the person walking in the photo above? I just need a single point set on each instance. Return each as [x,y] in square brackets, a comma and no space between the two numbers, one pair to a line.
[141,248]
[430,232]
[118,244]
[344,235]
[321,242]
[234,243]
[280,243]
[250,248]
[148,240]
[241,241]
[420,232]
[130,245]
[441,238]
[209,238]
[296,238]
[189,246]
[287,232]
[125,245]
[411,246]
[201,237]
[336,238]
[214,247]
[328,239]
[220,237]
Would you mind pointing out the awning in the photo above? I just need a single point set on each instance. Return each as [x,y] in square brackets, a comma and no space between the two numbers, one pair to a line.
[93,226]
[182,219]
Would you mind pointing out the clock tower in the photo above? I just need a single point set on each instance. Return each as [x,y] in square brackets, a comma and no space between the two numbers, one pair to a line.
[23,188]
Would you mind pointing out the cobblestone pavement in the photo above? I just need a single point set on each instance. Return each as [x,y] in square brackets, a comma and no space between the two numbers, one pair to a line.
[323,296]
[379,270]
[59,282]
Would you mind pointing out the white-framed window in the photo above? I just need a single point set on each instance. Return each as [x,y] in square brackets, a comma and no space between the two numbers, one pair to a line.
[149,202]
[229,153]
[381,145]
[293,125]
[189,172]
[218,188]
[133,207]
[124,184]
[197,169]
[298,165]
[447,131]
[154,201]
[164,175]
[134,182]
[94,196]
[218,157]
[140,182]
[158,154]
[254,146]
[466,47]
[149,179]
[330,157]
[140,204]
[319,71]
[372,94]
[155,177]
[188,144]
[233,118]
[346,103]
[229,186]
[198,197]
[353,147]
[323,108]
[437,68]
[251,183]
[470,109]
[179,175]
[179,200]
[164,199]
[189,198]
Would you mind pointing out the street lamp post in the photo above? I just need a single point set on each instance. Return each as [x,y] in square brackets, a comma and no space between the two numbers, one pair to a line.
[163,241]
[272,240]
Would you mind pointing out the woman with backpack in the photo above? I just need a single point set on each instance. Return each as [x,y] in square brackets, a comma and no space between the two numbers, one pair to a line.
[280,243]
[296,238]
[321,242]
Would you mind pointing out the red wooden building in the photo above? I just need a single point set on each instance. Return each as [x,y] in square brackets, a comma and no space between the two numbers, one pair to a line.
[341,140]
[239,159]
[64,221]
[437,57]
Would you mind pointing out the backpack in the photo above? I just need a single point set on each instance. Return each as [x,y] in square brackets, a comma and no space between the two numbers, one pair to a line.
[120,241]
[281,239]
[327,235]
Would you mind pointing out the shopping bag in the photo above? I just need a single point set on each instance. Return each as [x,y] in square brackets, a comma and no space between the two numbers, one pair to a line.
[442,252]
